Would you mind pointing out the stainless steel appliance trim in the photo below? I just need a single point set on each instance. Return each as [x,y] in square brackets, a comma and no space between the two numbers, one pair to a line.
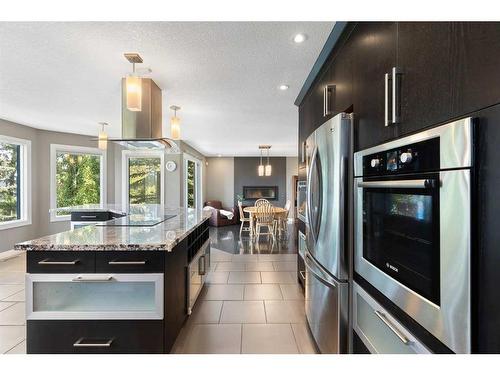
[302,274]
[91,279]
[455,145]
[449,322]
[308,201]
[413,342]
[127,262]
[396,331]
[396,96]
[79,344]
[153,314]
[318,272]
[386,100]
[392,184]
[195,264]
[47,262]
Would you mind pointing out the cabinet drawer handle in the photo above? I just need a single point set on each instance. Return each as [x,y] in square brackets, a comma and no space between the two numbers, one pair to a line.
[127,263]
[386,100]
[80,344]
[326,99]
[396,95]
[93,278]
[59,263]
[88,216]
[396,331]
[302,274]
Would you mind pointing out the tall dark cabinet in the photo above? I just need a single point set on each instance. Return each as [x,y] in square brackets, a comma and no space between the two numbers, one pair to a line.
[445,71]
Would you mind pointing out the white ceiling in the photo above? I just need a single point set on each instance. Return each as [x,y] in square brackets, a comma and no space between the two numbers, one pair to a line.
[225,76]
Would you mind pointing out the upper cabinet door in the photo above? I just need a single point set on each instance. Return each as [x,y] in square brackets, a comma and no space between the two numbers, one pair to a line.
[424,59]
[340,79]
[475,59]
[373,46]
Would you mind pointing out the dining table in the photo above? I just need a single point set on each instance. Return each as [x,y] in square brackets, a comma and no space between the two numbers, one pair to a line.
[279,213]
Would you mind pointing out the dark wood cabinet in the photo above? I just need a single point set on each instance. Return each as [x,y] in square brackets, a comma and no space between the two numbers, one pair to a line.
[373,46]
[475,58]
[130,261]
[60,261]
[423,54]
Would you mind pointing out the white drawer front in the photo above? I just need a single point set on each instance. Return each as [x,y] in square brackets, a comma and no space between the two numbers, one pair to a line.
[380,331]
[94,296]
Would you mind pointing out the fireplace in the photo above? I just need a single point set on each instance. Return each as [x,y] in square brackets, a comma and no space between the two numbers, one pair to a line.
[258,192]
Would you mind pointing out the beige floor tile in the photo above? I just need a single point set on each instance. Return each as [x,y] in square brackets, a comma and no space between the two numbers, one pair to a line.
[290,311]
[13,315]
[243,312]
[245,258]
[304,339]
[206,312]
[230,266]
[292,291]
[9,290]
[218,277]
[244,278]
[221,292]
[12,277]
[259,292]
[5,304]
[18,349]
[259,266]
[277,257]
[220,256]
[268,339]
[10,336]
[285,266]
[16,264]
[213,339]
[277,277]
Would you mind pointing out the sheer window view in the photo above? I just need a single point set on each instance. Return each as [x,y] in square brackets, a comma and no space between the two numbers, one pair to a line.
[144,180]
[191,184]
[9,182]
[77,180]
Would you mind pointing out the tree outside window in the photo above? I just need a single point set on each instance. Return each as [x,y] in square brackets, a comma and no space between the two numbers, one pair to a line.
[144,180]
[10,187]
[191,184]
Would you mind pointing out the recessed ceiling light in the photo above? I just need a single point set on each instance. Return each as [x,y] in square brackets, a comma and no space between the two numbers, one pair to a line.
[284,87]
[299,38]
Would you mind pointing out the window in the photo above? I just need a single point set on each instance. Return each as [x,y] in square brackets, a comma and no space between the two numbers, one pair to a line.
[143,177]
[192,182]
[77,178]
[15,189]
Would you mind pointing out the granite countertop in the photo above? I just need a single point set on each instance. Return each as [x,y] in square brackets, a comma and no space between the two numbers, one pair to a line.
[163,236]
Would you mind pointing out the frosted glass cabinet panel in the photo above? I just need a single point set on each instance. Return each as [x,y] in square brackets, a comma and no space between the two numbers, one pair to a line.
[94,296]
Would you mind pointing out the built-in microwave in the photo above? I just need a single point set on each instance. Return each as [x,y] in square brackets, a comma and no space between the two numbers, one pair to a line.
[302,200]
[413,227]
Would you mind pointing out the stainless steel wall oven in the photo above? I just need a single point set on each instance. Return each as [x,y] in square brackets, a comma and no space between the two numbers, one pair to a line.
[413,227]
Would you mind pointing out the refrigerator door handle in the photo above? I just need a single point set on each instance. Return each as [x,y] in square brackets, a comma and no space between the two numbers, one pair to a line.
[309,199]
[320,274]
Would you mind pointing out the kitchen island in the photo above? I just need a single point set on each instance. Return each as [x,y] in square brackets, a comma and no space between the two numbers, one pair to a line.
[122,286]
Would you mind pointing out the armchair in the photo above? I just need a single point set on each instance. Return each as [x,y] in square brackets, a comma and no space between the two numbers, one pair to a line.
[219,220]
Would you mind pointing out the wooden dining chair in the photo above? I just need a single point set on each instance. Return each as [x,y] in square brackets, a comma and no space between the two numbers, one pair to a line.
[283,218]
[265,218]
[244,220]
[261,201]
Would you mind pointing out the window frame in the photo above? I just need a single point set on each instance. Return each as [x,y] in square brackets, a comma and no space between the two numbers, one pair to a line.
[198,181]
[126,155]
[25,182]
[54,149]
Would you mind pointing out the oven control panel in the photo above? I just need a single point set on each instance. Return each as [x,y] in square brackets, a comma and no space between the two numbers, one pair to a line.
[417,157]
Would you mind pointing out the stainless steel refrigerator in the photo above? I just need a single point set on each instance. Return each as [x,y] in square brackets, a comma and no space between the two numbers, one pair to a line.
[328,152]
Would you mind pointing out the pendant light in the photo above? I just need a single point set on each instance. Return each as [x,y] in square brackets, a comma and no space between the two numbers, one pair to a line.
[260,169]
[133,84]
[175,124]
[102,138]
[268,166]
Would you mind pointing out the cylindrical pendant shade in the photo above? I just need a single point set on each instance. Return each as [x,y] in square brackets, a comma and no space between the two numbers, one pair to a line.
[102,140]
[175,128]
[261,170]
[268,170]
[134,93]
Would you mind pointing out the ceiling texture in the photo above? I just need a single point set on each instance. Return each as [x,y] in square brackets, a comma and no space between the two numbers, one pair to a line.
[225,75]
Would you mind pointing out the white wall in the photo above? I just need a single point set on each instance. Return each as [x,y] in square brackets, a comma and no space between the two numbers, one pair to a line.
[292,169]
[220,181]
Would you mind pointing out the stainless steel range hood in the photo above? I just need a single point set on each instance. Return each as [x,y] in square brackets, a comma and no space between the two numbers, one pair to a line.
[143,129]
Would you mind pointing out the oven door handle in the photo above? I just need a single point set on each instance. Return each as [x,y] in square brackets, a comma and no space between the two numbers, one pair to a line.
[405,184]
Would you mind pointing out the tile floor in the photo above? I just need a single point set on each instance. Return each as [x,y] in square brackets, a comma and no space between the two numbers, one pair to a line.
[252,303]
[12,317]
